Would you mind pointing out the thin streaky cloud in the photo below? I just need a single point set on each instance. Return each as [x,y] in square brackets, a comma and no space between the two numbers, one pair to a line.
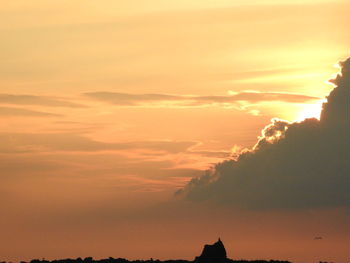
[14,112]
[26,99]
[70,142]
[126,99]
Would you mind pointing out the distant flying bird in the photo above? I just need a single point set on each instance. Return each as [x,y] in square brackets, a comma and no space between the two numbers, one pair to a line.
[318,238]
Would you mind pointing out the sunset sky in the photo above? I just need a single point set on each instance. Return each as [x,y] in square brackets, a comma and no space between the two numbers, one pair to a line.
[109,107]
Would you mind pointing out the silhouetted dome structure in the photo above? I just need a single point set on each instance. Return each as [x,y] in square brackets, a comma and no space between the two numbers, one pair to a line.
[213,253]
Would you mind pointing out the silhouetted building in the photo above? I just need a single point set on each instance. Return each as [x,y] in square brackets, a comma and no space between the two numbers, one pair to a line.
[213,253]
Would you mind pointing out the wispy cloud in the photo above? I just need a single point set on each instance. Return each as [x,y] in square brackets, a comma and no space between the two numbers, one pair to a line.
[43,142]
[127,99]
[25,99]
[10,111]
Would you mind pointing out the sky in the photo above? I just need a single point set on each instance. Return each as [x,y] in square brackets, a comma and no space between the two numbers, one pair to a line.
[144,129]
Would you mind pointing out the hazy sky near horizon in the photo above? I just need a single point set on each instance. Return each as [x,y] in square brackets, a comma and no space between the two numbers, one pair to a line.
[108,107]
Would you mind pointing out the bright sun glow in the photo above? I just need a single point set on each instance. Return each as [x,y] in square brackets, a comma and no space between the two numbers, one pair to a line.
[310,111]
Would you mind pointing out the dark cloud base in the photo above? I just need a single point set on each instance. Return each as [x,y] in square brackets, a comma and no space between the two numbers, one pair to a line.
[300,165]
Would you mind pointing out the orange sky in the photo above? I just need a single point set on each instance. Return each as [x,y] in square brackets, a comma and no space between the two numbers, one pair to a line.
[108,107]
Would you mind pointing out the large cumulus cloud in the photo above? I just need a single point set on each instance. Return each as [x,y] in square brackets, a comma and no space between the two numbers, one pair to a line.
[300,165]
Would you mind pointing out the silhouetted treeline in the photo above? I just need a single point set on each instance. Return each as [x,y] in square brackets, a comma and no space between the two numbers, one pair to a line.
[122,260]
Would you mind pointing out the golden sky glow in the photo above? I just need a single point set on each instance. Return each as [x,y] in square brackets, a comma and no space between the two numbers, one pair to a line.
[110,104]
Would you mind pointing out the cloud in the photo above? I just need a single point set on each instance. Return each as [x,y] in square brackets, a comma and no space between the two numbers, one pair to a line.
[300,165]
[36,100]
[125,99]
[10,111]
[43,142]
[130,99]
